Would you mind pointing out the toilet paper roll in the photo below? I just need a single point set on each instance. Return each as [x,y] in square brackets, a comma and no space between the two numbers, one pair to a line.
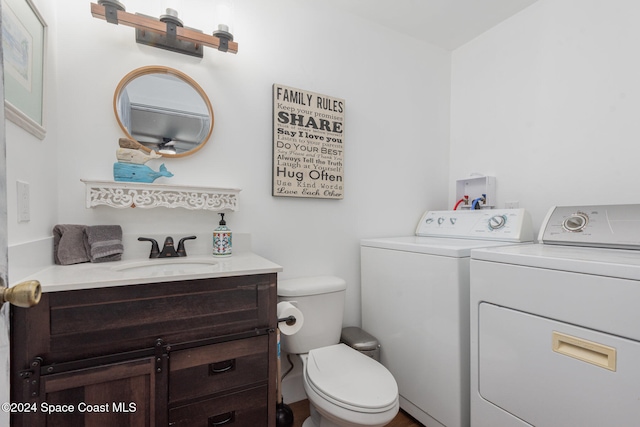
[286,309]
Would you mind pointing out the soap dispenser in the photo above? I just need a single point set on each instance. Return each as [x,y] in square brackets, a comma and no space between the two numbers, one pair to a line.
[222,239]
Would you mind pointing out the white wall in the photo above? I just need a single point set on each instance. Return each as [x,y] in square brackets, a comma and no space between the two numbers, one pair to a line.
[396,132]
[549,103]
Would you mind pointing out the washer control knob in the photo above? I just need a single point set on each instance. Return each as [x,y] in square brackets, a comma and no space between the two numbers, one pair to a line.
[428,220]
[575,222]
[440,220]
[496,222]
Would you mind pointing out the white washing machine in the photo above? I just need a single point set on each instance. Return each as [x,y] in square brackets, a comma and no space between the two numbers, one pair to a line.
[415,301]
[555,326]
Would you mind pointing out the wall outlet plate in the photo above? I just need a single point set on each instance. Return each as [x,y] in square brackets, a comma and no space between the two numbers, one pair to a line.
[512,204]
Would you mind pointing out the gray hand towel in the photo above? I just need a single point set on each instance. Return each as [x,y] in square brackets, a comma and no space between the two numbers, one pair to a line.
[103,243]
[68,244]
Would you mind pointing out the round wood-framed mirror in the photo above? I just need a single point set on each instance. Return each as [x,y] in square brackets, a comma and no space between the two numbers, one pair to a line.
[164,110]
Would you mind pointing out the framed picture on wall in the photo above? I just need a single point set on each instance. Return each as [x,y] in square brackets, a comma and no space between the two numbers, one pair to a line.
[23,46]
[308,144]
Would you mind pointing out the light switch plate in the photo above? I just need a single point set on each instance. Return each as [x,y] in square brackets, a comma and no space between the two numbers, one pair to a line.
[24,207]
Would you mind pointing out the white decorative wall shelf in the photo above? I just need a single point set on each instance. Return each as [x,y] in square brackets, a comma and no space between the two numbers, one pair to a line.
[141,195]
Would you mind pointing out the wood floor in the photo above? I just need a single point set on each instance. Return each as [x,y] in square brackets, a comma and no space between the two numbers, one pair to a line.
[301,412]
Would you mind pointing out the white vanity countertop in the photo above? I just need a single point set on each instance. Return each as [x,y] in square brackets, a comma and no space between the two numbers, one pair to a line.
[120,273]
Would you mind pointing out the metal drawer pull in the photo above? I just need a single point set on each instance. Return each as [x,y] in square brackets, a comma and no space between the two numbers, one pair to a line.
[222,419]
[222,367]
[587,351]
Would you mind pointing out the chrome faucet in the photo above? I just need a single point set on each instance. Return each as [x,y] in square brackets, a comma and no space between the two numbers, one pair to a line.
[168,250]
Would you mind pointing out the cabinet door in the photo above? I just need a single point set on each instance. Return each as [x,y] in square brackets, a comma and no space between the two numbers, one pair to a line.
[121,394]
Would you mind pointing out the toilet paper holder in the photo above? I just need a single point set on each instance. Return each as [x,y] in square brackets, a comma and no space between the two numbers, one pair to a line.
[290,320]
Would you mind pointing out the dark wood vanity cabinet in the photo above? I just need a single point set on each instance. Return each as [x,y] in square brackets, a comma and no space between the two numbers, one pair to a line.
[190,353]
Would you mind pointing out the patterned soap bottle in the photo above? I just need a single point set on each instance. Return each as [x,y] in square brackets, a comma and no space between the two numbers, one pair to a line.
[222,239]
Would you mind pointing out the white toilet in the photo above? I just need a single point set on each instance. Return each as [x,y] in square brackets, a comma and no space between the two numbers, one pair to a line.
[345,387]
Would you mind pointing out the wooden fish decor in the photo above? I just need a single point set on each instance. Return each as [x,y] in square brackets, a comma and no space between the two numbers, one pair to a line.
[139,157]
[130,172]
[129,143]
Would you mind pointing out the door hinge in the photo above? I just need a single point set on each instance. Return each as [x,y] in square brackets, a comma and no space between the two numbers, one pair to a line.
[161,355]
[31,378]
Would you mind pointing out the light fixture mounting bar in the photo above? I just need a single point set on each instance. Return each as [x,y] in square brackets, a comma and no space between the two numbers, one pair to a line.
[144,23]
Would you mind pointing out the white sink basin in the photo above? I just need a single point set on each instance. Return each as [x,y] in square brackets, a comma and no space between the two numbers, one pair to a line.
[168,267]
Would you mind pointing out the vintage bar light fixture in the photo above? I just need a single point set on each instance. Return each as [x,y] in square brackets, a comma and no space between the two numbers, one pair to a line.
[168,32]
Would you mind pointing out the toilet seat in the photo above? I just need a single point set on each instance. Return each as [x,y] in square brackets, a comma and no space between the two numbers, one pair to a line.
[347,378]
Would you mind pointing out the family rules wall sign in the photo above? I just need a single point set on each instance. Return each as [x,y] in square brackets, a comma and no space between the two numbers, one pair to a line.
[308,144]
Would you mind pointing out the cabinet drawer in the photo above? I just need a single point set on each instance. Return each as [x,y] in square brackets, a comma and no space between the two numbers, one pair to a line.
[87,323]
[247,408]
[215,368]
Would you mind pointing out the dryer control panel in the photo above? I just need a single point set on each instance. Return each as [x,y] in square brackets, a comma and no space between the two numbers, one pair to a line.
[601,226]
[509,225]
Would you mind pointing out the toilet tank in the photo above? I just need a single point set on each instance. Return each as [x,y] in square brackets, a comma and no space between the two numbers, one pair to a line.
[321,301]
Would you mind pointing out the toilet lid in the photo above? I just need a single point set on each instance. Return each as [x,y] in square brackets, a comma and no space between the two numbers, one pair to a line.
[350,377]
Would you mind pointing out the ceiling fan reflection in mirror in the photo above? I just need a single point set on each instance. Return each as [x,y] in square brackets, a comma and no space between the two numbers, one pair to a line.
[166,146]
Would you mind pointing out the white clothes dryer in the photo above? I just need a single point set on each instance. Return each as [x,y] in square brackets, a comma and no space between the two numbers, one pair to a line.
[415,301]
[555,326]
